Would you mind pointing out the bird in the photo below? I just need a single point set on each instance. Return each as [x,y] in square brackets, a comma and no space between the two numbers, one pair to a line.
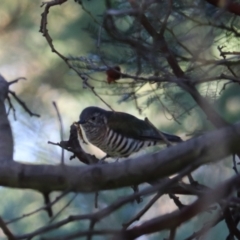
[120,134]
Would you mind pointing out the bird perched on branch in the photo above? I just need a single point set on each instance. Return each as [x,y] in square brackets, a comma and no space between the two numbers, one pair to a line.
[120,134]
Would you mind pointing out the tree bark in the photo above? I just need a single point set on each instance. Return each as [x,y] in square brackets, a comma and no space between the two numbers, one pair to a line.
[210,147]
[6,138]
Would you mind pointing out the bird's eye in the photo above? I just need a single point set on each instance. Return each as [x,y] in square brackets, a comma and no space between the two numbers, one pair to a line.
[93,118]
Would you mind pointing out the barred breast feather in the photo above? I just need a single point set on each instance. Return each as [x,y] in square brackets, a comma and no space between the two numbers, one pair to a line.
[117,145]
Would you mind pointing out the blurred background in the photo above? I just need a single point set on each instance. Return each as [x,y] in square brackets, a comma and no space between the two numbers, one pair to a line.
[25,53]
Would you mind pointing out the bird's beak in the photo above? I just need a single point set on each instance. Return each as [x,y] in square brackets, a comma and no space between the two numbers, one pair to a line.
[81,122]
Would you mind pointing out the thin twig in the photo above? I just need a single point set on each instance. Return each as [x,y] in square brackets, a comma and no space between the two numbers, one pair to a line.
[11,107]
[79,234]
[16,80]
[47,201]
[23,105]
[224,57]
[96,199]
[91,229]
[172,234]
[168,143]
[61,129]
[235,164]
[44,31]
[176,201]
[39,209]
[206,227]
[164,24]
[164,107]
[97,216]
[99,37]
[64,207]
[143,211]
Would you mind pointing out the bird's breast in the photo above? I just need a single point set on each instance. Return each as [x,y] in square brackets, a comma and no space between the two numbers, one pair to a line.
[118,145]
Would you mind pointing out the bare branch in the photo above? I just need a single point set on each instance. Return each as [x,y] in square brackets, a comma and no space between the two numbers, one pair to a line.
[176,218]
[23,105]
[94,217]
[6,230]
[16,80]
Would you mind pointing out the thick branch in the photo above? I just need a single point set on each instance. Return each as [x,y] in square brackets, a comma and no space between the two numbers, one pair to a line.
[145,168]
[6,138]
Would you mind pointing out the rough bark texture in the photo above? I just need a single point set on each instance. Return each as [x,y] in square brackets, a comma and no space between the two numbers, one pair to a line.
[211,147]
[6,138]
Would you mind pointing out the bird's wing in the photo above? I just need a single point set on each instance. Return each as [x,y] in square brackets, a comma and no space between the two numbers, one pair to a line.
[135,128]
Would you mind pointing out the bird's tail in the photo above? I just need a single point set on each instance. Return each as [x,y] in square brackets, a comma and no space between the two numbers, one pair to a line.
[172,138]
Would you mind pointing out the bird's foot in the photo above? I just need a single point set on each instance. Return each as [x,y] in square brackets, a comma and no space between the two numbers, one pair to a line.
[102,160]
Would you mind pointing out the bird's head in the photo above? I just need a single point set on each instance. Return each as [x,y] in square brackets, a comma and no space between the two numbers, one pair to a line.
[93,117]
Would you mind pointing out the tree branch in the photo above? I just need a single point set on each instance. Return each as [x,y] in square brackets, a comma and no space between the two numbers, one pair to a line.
[149,167]
[6,230]
[6,138]
[176,218]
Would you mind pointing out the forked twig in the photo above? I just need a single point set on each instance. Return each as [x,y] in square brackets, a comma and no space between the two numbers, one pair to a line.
[11,107]
[23,104]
